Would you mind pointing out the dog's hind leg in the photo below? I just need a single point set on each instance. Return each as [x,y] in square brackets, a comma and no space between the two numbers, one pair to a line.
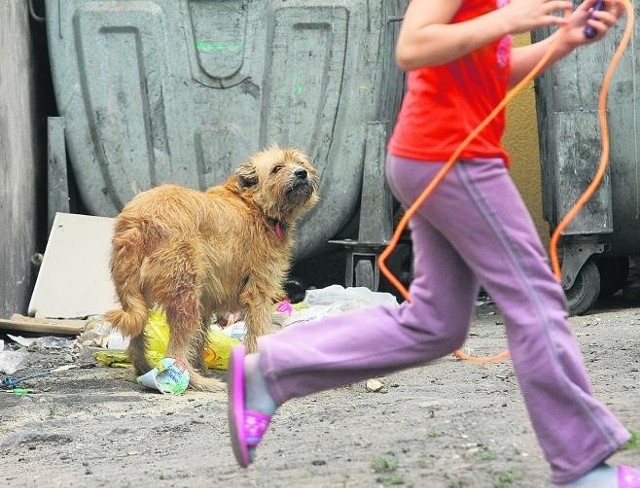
[180,298]
[198,345]
[185,334]
[137,354]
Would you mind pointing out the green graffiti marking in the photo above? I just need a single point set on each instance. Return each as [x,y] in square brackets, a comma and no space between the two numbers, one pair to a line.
[211,46]
[298,85]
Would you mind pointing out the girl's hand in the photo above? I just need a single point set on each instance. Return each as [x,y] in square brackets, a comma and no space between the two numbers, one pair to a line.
[601,21]
[527,15]
[569,36]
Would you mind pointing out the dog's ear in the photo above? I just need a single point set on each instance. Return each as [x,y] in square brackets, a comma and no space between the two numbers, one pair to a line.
[246,176]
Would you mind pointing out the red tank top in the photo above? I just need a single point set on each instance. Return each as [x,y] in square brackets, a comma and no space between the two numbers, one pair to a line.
[443,104]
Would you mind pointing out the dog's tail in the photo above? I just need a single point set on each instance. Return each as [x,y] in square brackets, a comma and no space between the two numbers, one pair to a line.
[126,261]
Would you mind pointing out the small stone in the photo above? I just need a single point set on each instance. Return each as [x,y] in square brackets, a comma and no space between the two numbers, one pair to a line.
[374,385]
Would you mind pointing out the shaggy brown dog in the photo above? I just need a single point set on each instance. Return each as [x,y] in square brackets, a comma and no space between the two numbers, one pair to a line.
[195,254]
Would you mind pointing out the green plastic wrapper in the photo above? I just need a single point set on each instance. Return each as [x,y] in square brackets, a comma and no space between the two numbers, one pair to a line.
[171,376]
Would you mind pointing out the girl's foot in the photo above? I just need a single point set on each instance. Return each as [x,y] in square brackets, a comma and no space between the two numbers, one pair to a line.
[257,396]
[250,405]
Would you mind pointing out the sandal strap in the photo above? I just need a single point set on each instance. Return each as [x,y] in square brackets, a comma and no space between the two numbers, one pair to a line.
[628,477]
[255,426]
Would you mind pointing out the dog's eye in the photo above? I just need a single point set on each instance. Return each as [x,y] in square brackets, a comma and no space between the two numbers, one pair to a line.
[276,169]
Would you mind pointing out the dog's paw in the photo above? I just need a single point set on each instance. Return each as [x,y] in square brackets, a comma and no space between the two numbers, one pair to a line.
[211,385]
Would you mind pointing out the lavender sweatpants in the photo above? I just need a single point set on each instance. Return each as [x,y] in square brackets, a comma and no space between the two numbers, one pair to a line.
[473,230]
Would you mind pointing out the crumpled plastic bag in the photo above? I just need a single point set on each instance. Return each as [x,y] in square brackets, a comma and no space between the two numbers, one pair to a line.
[355,297]
[334,300]
[111,358]
[11,361]
[100,333]
[217,349]
[46,342]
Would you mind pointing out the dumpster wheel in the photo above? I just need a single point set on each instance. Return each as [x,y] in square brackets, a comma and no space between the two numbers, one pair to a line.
[585,289]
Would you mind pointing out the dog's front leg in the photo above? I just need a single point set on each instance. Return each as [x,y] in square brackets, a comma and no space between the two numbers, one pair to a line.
[258,319]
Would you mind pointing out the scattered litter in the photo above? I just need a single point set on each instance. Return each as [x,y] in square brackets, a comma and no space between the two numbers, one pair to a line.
[171,376]
[236,331]
[18,391]
[217,349]
[10,382]
[11,361]
[284,307]
[216,352]
[112,359]
[357,296]
[281,316]
[117,341]
[334,300]
[46,342]
[100,333]
[318,303]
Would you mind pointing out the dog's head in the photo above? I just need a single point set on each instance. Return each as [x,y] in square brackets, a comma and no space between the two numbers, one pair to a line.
[281,181]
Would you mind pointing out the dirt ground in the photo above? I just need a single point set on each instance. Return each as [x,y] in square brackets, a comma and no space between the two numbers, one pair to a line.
[449,424]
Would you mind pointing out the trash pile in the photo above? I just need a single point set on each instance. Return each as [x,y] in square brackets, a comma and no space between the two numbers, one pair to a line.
[332,300]
[170,376]
[15,358]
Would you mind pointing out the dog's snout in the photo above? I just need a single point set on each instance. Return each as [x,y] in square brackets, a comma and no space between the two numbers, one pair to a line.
[301,173]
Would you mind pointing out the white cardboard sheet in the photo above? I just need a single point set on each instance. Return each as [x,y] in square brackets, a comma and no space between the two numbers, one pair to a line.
[74,279]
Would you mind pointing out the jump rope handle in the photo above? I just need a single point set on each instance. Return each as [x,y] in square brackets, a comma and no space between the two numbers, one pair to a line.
[590,32]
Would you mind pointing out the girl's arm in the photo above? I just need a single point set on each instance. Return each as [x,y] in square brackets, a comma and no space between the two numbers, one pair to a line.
[427,38]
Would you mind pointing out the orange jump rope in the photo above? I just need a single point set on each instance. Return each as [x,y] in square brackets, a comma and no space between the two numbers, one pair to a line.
[580,203]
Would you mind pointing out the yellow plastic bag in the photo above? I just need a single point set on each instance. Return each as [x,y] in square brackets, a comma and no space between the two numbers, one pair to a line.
[217,349]
[112,358]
